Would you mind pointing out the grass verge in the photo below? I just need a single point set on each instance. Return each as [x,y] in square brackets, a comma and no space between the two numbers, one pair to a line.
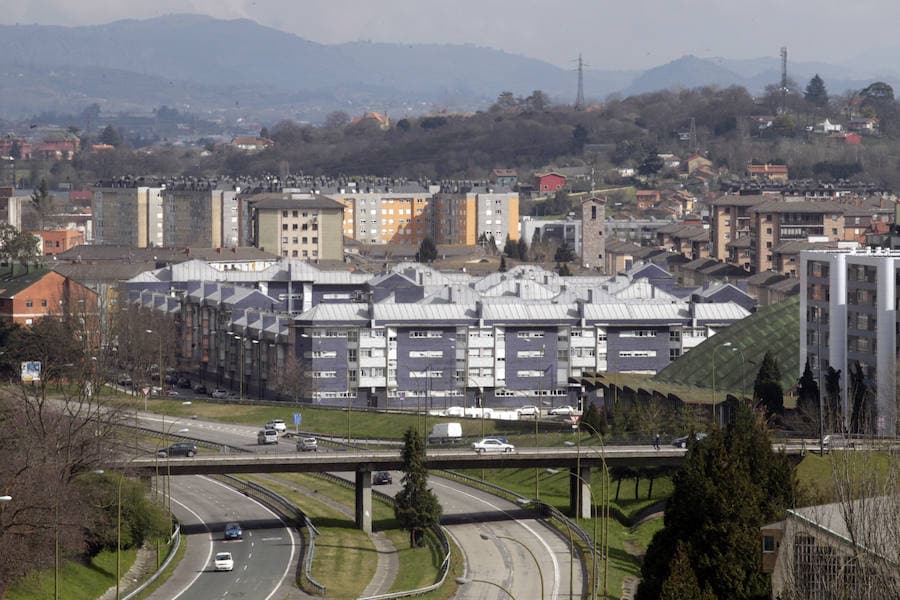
[78,580]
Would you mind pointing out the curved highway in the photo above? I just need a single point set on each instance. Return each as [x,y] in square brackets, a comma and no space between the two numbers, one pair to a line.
[264,560]
[470,515]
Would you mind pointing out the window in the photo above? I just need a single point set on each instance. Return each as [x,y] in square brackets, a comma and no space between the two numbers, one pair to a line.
[324,374]
[529,373]
[324,354]
[426,354]
[284,213]
[530,354]
[674,353]
[768,544]
[284,227]
[425,374]
[29,303]
[638,333]
[351,355]
[43,304]
[637,354]
[431,333]
[529,335]
[675,335]
[294,214]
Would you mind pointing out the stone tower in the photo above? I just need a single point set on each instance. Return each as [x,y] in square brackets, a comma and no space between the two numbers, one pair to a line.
[593,233]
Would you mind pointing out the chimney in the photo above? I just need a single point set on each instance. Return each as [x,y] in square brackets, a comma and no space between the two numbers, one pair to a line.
[218,251]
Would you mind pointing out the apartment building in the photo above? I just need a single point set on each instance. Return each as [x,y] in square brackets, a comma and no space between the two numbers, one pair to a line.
[730,219]
[849,314]
[200,217]
[774,222]
[397,214]
[470,214]
[292,225]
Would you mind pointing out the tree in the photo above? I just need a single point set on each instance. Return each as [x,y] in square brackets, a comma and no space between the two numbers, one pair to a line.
[403,125]
[427,251]
[815,93]
[264,133]
[416,506]
[730,484]
[651,163]
[502,268]
[593,420]
[510,248]
[522,249]
[537,101]
[833,410]
[767,390]
[43,205]
[564,253]
[808,395]
[110,135]
[681,584]
[336,119]
[505,101]
[564,270]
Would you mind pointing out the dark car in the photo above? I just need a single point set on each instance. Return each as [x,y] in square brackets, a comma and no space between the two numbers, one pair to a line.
[184,382]
[180,449]
[233,531]
[200,389]
[382,478]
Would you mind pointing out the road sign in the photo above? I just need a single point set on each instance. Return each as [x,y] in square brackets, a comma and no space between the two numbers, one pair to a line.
[298,418]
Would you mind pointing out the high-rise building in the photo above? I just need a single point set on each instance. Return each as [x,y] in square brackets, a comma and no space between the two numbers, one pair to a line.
[849,311]
[593,233]
[304,226]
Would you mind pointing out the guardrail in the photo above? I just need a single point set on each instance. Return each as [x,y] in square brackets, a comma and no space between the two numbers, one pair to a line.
[288,509]
[438,532]
[176,536]
[175,437]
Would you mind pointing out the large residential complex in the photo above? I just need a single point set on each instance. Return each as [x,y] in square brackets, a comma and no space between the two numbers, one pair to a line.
[850,322]
[414,333]
[297,226]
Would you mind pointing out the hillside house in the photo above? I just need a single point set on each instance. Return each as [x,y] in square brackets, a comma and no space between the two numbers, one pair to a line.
[549,182]
[769,172]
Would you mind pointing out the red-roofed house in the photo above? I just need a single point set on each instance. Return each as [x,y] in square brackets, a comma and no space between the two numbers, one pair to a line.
[767,171]
[58,148]
[647,199]
[549,182]
[249,143]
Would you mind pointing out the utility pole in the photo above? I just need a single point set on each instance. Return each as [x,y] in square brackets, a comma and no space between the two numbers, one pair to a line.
[784,79]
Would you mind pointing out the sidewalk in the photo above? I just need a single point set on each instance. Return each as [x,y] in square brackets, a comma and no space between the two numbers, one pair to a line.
[144,566]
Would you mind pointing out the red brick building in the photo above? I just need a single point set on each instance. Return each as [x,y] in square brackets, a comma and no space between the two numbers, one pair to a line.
[39,293]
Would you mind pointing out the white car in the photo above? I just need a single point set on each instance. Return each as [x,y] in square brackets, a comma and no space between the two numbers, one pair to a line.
[492,445]
[224,561]
[565,411]
[277,424]
[529,410]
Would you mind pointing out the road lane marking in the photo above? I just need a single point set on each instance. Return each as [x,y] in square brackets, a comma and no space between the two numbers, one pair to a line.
[554,592]
[208,556]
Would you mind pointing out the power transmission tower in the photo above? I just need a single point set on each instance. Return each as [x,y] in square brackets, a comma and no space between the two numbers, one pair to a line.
[579,97]
[784,78]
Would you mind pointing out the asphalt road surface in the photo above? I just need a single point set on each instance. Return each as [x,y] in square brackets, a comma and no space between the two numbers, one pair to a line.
[263,560]
[468,515]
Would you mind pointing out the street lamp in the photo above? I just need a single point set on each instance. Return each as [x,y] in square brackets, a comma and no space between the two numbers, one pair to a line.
[486,536]
[604,489]
[258,367]
[240,342]
[467,580]
[571,545]
[159,364]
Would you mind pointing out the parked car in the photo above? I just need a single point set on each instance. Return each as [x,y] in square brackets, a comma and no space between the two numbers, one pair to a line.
[307,444]
[219,393]
[682,442]
[277,424]
[172,393]
[492,445]
[200,389]
[529,410]
[124,380]
[565,411]
[184,382]
[233,531]
[267,436]
[170,379]
[382,478]
[180,449]
[224,561]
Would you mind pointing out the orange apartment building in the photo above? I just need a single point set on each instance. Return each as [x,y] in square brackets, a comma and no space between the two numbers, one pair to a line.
[39,293]
[730,218]
[385,218]
[59,240]
[775,222]
[463,218]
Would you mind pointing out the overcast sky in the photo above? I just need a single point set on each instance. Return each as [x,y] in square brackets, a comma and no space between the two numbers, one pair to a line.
[610,34]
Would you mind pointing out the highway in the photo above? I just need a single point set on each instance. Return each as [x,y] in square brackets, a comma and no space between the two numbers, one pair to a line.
[468,514]
[263,560]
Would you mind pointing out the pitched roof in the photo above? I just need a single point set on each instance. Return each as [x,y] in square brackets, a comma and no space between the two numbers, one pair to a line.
[287,202]
[11,286]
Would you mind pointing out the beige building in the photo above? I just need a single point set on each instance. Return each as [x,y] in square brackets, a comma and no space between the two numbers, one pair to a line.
[128,216]
[730,218]
[775,222]
[462,218]
[293,225]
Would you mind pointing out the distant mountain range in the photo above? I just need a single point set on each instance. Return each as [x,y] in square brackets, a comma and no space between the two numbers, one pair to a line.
[240,68]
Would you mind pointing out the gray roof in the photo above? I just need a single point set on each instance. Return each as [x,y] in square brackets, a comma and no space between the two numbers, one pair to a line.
[811,207]
[733,200]
[289,201]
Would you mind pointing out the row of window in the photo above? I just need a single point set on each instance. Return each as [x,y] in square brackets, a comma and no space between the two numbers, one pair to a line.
[295,214]
[299,240]
[297,227]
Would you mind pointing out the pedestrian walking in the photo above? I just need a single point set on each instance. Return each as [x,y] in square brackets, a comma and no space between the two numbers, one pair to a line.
[656,442]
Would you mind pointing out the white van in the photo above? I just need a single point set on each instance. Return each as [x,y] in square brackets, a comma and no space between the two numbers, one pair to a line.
[267,436]
[443,433]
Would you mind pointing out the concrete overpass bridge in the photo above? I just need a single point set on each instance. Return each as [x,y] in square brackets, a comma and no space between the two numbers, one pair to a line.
[579,462]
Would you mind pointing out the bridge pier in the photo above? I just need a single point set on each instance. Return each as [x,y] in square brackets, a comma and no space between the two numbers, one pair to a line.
[363,490]
[580,492]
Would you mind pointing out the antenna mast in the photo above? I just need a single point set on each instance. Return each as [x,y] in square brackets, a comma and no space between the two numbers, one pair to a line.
[784,78]
[579,98]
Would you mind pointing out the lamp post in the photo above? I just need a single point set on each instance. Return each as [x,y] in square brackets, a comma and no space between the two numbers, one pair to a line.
[572,545]
[258,366]
[537,564]
[466,580]
[604,490]
[240,342]
[537,412]
[159,365]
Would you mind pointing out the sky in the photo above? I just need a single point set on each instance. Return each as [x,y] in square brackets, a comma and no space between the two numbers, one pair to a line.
[609,34]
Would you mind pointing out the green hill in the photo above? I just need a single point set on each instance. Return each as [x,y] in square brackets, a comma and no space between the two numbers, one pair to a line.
[775,328]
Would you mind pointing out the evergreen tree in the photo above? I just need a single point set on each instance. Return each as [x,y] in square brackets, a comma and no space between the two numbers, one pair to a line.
[808,394]
[681,584]
[564,253]
[427,251]
[110,135]
[502,268]
[833,394]
[43,205]
[651,163]
[815,93]
[522,249]
[510,248]
[730,484]
[767,390]
[416,506]
[593,421]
